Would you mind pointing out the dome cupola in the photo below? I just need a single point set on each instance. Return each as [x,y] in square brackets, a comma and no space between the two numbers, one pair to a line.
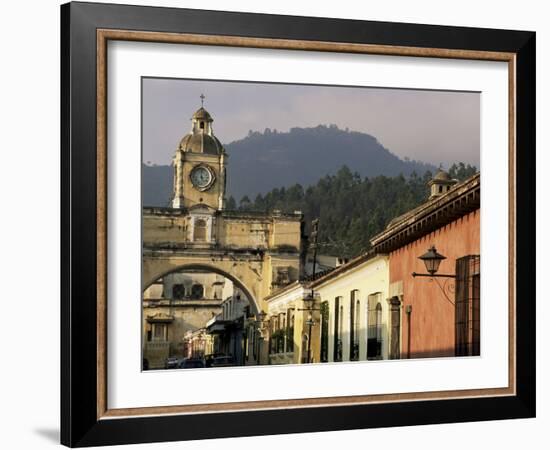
[201,139]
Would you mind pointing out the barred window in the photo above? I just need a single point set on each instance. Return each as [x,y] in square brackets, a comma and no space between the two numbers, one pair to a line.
[178,291]
[324,331]
[159,331]
[374,327]
[200,230]
[338,313]
[467,341]
[354,326]
[197,291]
[290,330]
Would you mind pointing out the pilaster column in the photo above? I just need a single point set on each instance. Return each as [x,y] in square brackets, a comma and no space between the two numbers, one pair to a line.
[177,201]
[221,196]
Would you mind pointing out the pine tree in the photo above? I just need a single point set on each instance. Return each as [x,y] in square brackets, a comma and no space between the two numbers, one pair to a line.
[231,204]
[351,209]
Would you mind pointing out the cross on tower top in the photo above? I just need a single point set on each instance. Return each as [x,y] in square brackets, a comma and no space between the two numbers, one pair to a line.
[202,96]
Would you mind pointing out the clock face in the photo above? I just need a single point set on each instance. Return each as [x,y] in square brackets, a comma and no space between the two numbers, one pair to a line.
[202,177]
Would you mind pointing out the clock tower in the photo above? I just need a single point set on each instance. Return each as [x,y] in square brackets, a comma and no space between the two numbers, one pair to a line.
[199,166]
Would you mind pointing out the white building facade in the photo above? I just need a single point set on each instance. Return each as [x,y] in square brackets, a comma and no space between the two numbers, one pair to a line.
[354,310]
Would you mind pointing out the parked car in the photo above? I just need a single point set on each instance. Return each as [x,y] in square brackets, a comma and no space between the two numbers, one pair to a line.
[209,358]
[171,363]
[223,361]
[191,363]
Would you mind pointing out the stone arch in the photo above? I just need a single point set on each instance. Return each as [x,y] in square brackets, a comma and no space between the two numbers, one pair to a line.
[254,304]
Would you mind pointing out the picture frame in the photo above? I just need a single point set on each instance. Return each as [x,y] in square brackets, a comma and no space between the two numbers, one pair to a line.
[86,418]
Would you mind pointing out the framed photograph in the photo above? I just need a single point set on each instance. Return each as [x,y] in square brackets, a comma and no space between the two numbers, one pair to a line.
[277,224]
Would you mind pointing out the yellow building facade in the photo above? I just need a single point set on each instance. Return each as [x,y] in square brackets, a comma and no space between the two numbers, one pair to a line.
[342,315]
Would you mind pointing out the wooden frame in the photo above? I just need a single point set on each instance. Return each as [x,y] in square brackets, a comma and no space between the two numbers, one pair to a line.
[86,418]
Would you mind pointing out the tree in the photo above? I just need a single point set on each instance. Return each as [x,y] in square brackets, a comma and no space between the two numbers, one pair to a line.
[462,171]
[245,203]
[231,204]
[351,209]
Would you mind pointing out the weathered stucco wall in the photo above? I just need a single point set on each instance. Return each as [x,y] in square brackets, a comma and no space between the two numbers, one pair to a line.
[432,318]
[230,230]
[368,278]
[185,318]
[253,250]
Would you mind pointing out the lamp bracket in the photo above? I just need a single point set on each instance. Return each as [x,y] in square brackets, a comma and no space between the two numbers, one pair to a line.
[435,275]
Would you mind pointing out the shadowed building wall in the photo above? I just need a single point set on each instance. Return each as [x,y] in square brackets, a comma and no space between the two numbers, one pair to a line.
[425,317]
[432,315]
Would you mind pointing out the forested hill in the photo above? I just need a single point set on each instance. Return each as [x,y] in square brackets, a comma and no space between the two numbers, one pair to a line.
[263,161]
[348,180]
[351,209]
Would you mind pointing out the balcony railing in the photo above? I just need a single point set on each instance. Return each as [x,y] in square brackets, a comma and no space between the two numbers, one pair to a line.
[157,345]
[166,302]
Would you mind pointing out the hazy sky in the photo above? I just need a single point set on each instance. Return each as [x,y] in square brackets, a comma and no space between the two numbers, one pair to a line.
[431,126]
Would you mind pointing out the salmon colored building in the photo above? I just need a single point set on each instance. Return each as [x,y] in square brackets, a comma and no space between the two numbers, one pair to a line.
[437,315]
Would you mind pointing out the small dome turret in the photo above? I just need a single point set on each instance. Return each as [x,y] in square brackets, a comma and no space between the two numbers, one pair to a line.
[440,184]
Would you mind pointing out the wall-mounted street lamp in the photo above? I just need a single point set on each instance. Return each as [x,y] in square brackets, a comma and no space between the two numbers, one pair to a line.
[432,260]
[311,297]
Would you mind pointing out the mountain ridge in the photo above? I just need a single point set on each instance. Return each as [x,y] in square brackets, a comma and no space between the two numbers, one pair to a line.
[261,162]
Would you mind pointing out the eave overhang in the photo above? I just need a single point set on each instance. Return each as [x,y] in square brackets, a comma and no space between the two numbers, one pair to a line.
[432,215]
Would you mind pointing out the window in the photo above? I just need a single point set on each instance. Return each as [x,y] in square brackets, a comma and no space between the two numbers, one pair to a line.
[281,331]
[202,125]
[395,328]
[290,331]
[273,336]
[254,338]
[379,322]
[197,291]
[304,349]
[440,188]
[354,326]
[357,327]
[341,329]
[337,330]
[178,291]
[467,306]
[324,331]
[374,327]
[159,332]
[200,230]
